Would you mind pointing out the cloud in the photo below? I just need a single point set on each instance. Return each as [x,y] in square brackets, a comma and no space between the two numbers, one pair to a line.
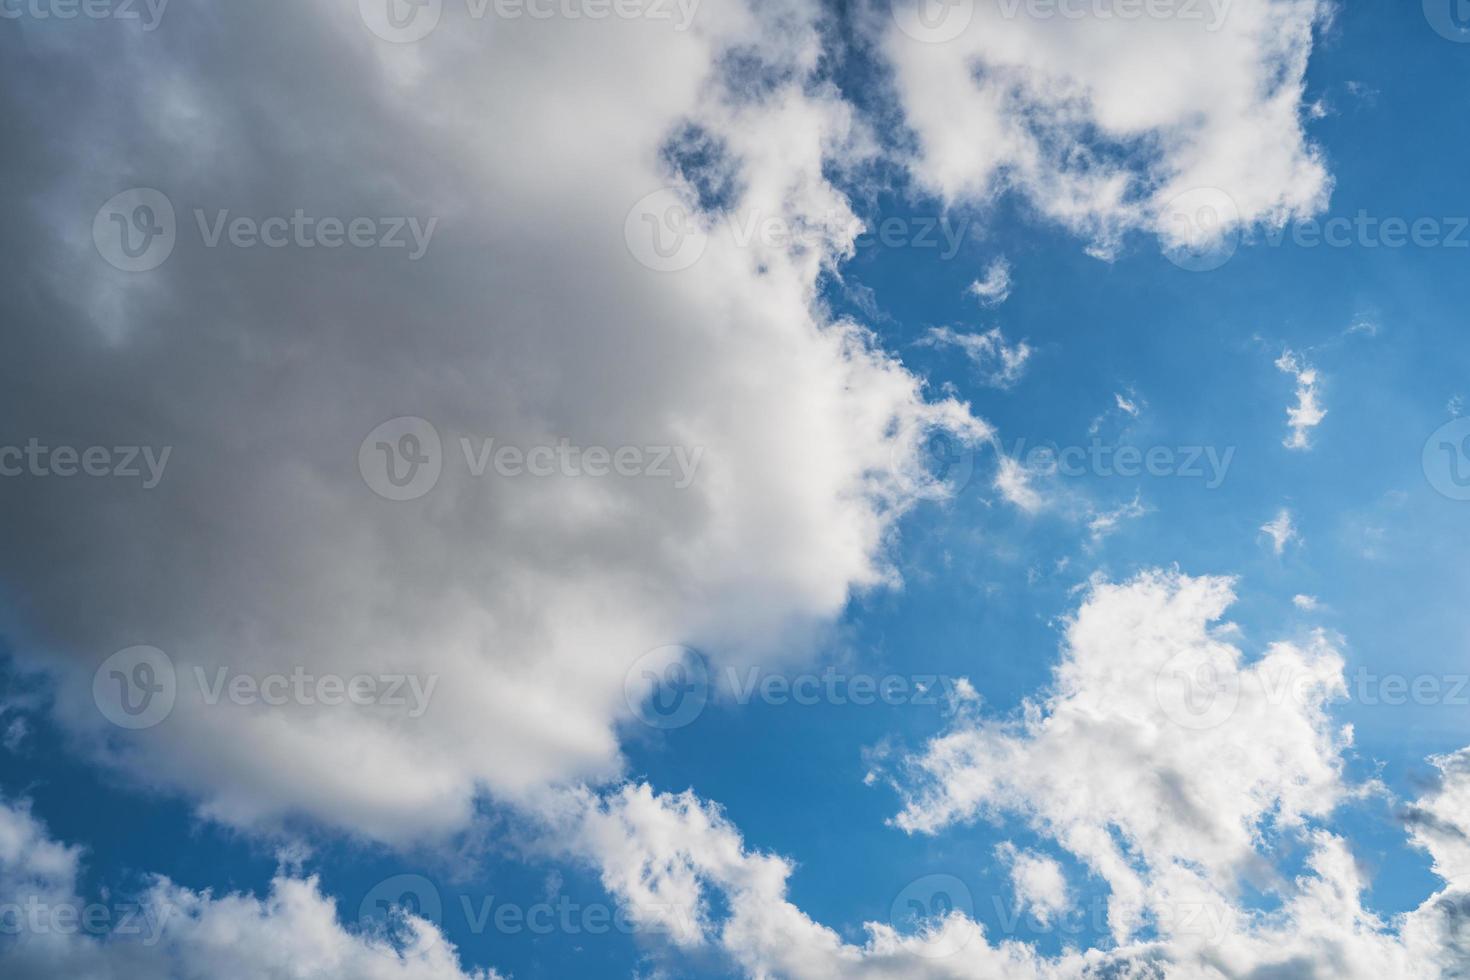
[1308,412]
[1104,523]
[1039,883]
[1307,603]
[1000,365]
[53,932]
[995,288]
[1281,531]
[1104,125]
[533,319]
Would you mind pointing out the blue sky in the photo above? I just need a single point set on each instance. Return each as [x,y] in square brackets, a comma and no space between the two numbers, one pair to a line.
[1119,343]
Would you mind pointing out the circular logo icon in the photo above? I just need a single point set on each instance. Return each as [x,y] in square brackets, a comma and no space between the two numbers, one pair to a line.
[1450,18]
[136,230]
[668,687]
[923,908]
[933,21]
[946,459]
[1197,689]
[1446,459]
[401,21]
[401,459]
[1200,229]
[663,232]
[392,898]
[136,688]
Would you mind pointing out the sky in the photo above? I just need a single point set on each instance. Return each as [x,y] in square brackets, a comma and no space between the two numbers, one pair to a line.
[770,489]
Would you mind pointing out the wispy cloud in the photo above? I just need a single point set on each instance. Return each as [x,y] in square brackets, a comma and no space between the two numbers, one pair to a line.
[1308,412]
[1000,364]
[1281,531]
[995,288]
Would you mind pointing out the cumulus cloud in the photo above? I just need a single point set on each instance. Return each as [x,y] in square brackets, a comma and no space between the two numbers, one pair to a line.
[52,932]
[1106,124]
[1308,412]
[532,318]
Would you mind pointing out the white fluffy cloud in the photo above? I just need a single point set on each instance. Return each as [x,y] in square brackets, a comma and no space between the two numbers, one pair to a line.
[1106,123]
[529,320]
[49,931]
